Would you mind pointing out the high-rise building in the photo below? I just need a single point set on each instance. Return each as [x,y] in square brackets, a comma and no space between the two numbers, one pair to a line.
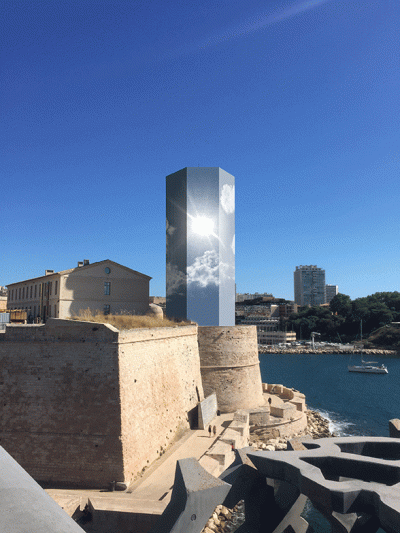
[309,285]
[201,246]
[331,291]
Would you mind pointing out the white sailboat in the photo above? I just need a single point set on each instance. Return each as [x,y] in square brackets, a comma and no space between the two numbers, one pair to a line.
[368,367]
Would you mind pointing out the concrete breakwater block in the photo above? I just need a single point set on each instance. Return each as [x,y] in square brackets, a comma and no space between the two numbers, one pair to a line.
[394,428]
[207,410]
[111,513]
[237,434]
[222,452]
[194,498]
[343,476]
[25,506]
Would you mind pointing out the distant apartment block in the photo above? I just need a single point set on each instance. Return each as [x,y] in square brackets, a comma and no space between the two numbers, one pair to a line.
[252,296]
[309,285]
[287,309]
[259,320]
[331,292]
[105,286]
[265,307]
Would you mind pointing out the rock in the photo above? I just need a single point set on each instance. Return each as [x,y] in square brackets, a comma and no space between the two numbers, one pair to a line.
[216,520]
[210,525]
[226,512]
[270,448]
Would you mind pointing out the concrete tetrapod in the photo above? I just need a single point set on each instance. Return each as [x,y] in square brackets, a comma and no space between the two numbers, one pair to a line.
[193,499]
[270,507]
[25,506]
[353,481]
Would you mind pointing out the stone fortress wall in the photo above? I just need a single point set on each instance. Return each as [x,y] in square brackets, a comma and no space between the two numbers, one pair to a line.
[230,366]
[84,404]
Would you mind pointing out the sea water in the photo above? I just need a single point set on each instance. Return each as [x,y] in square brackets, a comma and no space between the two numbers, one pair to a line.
[354,403]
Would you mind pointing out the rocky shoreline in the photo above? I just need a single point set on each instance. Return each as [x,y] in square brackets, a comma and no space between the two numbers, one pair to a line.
[262,438]
[328,351]
[224,520]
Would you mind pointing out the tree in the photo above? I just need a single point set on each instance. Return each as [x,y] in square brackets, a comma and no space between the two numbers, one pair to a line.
[318,319]
[341,305]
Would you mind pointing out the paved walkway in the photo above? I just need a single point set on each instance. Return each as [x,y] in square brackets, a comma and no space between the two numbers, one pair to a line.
[157,483]
[152,492]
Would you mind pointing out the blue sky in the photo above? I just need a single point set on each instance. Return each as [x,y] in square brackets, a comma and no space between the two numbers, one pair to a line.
[299,100]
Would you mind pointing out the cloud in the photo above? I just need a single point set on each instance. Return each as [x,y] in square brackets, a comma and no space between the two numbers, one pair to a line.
[226,271]
[262,21]
[228,198]
[170,229]
[207,270]
[176,280]
[233,244]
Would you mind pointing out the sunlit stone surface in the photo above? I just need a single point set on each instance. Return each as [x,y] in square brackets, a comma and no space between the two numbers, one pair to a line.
[201,246]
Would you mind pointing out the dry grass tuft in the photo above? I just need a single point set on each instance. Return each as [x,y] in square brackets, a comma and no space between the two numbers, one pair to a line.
[126,321]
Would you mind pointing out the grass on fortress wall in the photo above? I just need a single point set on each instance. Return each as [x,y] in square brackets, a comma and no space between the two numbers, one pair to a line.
[127,321]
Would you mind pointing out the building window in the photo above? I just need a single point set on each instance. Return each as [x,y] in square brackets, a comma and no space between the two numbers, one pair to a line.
[50,287]
[19,293]
[55,286]
[35,290]
[31,290]
[34,311]
[107,288]
[106,310]
[49,310]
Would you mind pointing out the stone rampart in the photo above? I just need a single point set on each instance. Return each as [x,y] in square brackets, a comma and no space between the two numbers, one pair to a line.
[291,395]
[230,366]
[84,404]
[160,387]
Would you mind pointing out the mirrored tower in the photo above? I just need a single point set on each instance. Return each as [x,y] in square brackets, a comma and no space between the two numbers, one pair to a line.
[201,246]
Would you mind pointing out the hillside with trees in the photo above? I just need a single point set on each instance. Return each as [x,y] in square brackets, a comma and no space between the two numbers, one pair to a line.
[348,320]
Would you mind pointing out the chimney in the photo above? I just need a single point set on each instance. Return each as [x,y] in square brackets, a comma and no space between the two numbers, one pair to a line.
[80,263]
[48,272]
[85,262]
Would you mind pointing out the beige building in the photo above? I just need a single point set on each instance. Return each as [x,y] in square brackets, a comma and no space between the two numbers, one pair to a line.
[104,286]
[267,330]
[264,336]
